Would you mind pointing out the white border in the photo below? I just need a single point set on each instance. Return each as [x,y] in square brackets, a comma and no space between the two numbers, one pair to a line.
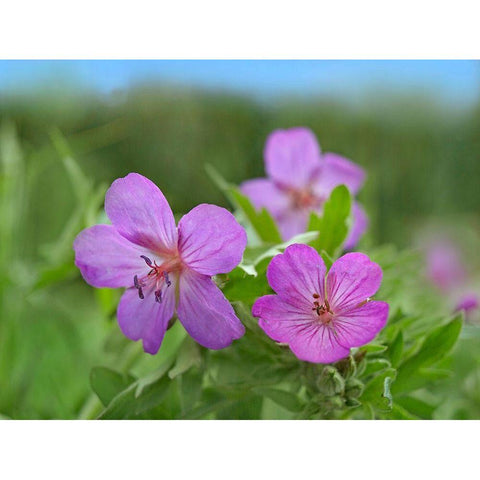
[251,29]
[248,450]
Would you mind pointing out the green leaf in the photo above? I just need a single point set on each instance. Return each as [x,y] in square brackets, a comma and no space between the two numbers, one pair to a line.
[435,347]
[140,397]
[375,365]
[107,383]
[188,356]
[416,407]
[334,223]
[395,349]
[377,391]
[261,220]
[287,400]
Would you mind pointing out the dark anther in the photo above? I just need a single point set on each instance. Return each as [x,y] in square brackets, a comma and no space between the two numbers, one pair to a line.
[167,280]
[138,287]
[147,260]
[316,295]
[327,304]
[158,296]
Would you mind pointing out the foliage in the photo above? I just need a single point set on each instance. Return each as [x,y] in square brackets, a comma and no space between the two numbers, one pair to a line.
[62,356]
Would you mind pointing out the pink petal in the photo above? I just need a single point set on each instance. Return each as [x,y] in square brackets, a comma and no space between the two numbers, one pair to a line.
[337,170]
[297,274]
[139,211]
[264,193]
[205,313]
[106,259]
[292,157]
[361,325]
[360,224]
[211,241]
[352,279]
[308,340]
[292,222]
[146,319]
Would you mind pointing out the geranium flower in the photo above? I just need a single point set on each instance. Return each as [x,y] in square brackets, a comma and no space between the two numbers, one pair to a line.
[301,179]
[164,268]
[321,316]
[444,265]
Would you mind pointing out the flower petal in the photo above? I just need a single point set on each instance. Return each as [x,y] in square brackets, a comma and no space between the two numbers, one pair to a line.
[292,157]
[139,211]
[292,222]
[205,313]
[106,259]
[361,325]
[264,193]
[308,340]
[337,170]
[352,279]
[297,274]
[360,224]
[146,319]
[211,241]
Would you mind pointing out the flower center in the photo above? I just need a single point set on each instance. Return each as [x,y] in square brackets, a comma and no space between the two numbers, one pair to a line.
[157,278]
[304,199]
[323,310]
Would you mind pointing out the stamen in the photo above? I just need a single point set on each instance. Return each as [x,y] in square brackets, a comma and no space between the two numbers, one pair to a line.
[316,295]
[167,280]
[147,260]
[158,296]
[138,286]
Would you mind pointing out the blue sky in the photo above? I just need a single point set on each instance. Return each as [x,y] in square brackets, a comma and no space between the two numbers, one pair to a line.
[452,82]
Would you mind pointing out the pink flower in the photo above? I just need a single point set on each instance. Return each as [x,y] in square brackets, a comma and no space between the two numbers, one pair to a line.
[164,268]
[301,179]
[444,265]
[321,316]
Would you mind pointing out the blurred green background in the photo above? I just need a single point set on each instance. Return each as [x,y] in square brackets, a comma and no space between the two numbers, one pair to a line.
[421,154]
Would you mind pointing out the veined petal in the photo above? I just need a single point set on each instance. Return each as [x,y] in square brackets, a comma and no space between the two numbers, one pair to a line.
[106,259]
[361,325]
[211,241]
[146,319]
[359,225]
[337,170]
[352,279]
[297,274]
[205,313]
[140,212]
[292,157]
[262,192]
[308,339]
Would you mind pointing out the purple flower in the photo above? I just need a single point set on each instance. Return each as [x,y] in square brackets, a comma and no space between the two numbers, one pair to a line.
[300,179]
[444,266]
[164,268]
[321,316]
[468,303]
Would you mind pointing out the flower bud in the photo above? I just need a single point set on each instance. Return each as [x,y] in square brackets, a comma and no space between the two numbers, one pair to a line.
[330,382]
